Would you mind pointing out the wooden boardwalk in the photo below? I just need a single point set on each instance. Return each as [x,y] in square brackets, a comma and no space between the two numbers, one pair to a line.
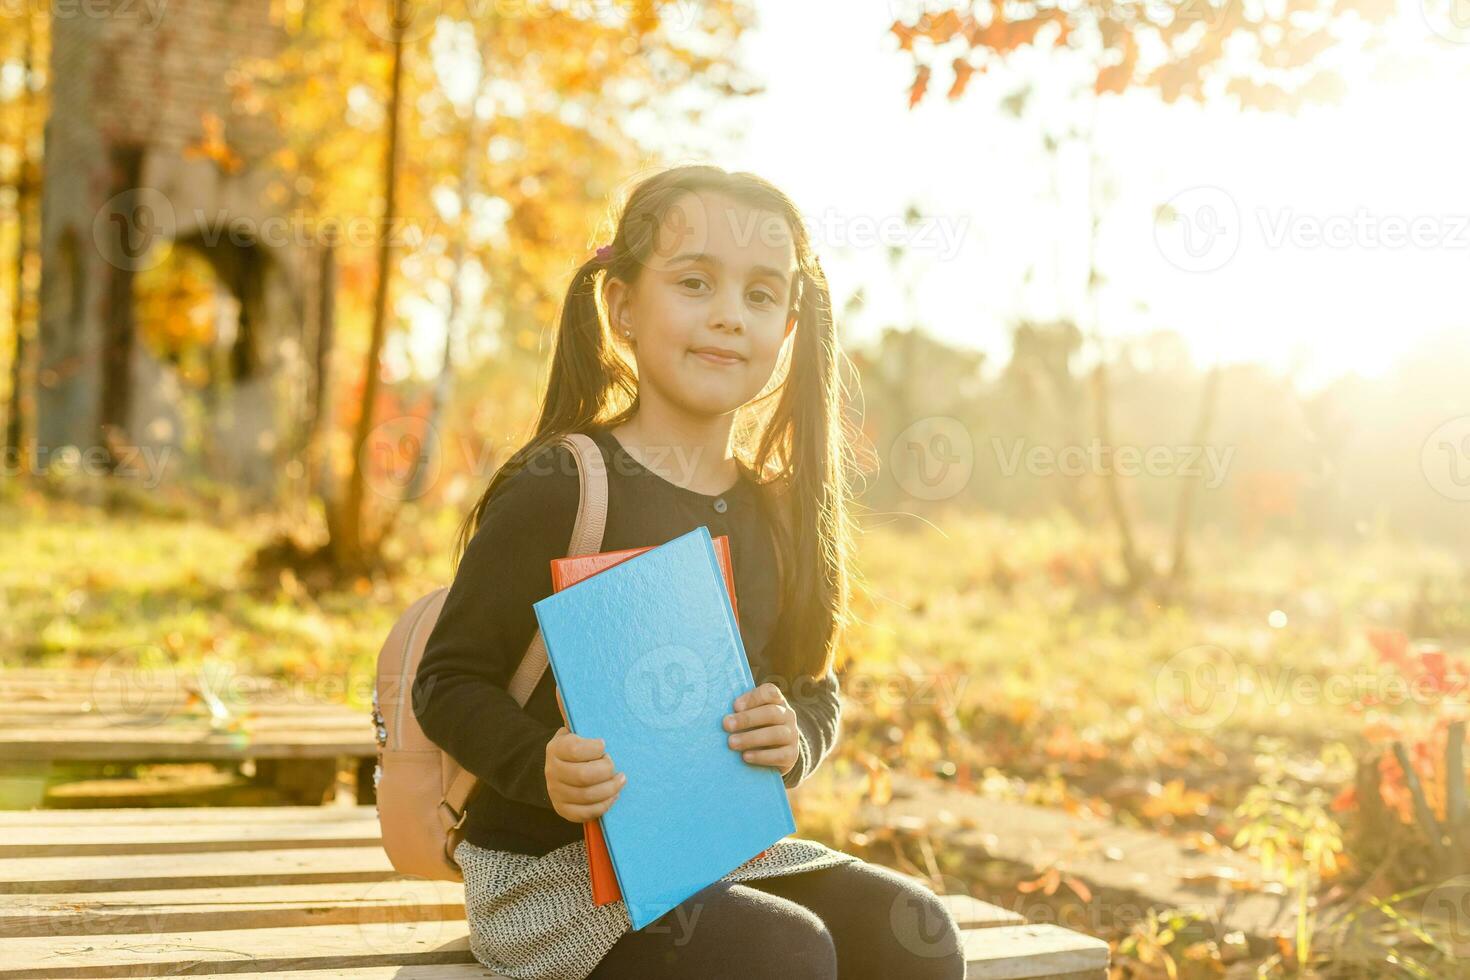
[295,737]
[302,893]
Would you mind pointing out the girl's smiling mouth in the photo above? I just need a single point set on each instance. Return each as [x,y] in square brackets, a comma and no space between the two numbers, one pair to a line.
[708,354]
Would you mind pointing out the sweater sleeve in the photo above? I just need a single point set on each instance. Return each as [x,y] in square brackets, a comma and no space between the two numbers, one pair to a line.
[818,707]
[460,695]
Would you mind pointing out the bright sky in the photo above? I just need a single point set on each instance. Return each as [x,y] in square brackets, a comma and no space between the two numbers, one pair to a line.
[1242,278]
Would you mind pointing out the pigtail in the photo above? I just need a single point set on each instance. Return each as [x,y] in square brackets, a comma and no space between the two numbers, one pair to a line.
[809,501]
[586,373]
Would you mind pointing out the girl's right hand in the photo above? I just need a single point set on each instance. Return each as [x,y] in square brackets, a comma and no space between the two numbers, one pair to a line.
[580,778]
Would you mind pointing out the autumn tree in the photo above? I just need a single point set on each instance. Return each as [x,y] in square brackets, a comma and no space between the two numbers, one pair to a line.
[1258,56]
[503,180]
[24,47]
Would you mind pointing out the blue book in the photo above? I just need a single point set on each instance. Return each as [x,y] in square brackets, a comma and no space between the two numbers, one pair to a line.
[649,659]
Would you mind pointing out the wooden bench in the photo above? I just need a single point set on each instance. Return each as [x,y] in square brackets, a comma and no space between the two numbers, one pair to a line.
[295,737]
[302,893]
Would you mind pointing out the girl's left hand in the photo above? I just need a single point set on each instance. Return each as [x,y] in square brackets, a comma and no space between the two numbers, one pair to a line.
[764,725]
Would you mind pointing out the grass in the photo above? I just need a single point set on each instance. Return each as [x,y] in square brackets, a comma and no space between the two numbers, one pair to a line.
[989,652]
[988,642]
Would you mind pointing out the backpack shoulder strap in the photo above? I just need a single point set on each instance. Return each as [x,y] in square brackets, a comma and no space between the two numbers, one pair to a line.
[586,539]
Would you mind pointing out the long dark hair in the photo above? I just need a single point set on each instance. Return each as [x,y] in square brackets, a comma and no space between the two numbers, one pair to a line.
[797,448]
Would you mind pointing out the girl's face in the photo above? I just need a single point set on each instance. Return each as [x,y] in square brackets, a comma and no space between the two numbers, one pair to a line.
[719,276]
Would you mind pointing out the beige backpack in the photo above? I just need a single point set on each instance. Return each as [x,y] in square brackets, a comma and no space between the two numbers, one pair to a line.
[421,791]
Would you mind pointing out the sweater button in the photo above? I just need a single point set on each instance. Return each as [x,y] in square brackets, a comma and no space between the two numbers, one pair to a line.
[720,505]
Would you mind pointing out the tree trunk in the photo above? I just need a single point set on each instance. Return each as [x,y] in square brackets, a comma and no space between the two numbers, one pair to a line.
[468,178]
[320,403]
[351,545]
[1179,562]
[119,328]
[24,191]
[1134,567]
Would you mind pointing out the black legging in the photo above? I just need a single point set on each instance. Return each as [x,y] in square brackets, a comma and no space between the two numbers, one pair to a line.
[852,921]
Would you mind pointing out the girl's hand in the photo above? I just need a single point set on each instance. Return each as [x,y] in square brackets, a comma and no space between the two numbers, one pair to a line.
[579,775]
[764,726]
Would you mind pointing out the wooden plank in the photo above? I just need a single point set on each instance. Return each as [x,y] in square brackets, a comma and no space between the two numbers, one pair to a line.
[1030,951]
[157,677]
[1004,953]
[252,907]
[29,714]
[136,872]
[970,912]
[333,947]
[455,971]
[185,817]
[169,838]
[193,743]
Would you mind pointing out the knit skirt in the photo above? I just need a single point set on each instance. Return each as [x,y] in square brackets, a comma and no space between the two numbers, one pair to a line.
[532,918]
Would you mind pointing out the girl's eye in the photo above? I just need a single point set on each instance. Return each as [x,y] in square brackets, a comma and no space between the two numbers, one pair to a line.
[766,296]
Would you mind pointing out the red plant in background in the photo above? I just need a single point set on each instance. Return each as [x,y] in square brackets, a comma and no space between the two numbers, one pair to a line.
[1421,773]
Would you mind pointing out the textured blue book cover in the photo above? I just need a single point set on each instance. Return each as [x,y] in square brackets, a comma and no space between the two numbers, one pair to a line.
[648,658]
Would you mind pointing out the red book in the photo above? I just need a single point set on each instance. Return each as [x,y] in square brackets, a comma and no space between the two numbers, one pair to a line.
[569,571]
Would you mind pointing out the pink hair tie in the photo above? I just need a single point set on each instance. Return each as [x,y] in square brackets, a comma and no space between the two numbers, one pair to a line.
[603,253]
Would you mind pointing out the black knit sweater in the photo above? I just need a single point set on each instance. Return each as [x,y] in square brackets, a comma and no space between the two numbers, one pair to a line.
[460,698]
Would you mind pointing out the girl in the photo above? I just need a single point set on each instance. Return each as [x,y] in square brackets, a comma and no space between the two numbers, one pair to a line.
[708,284]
